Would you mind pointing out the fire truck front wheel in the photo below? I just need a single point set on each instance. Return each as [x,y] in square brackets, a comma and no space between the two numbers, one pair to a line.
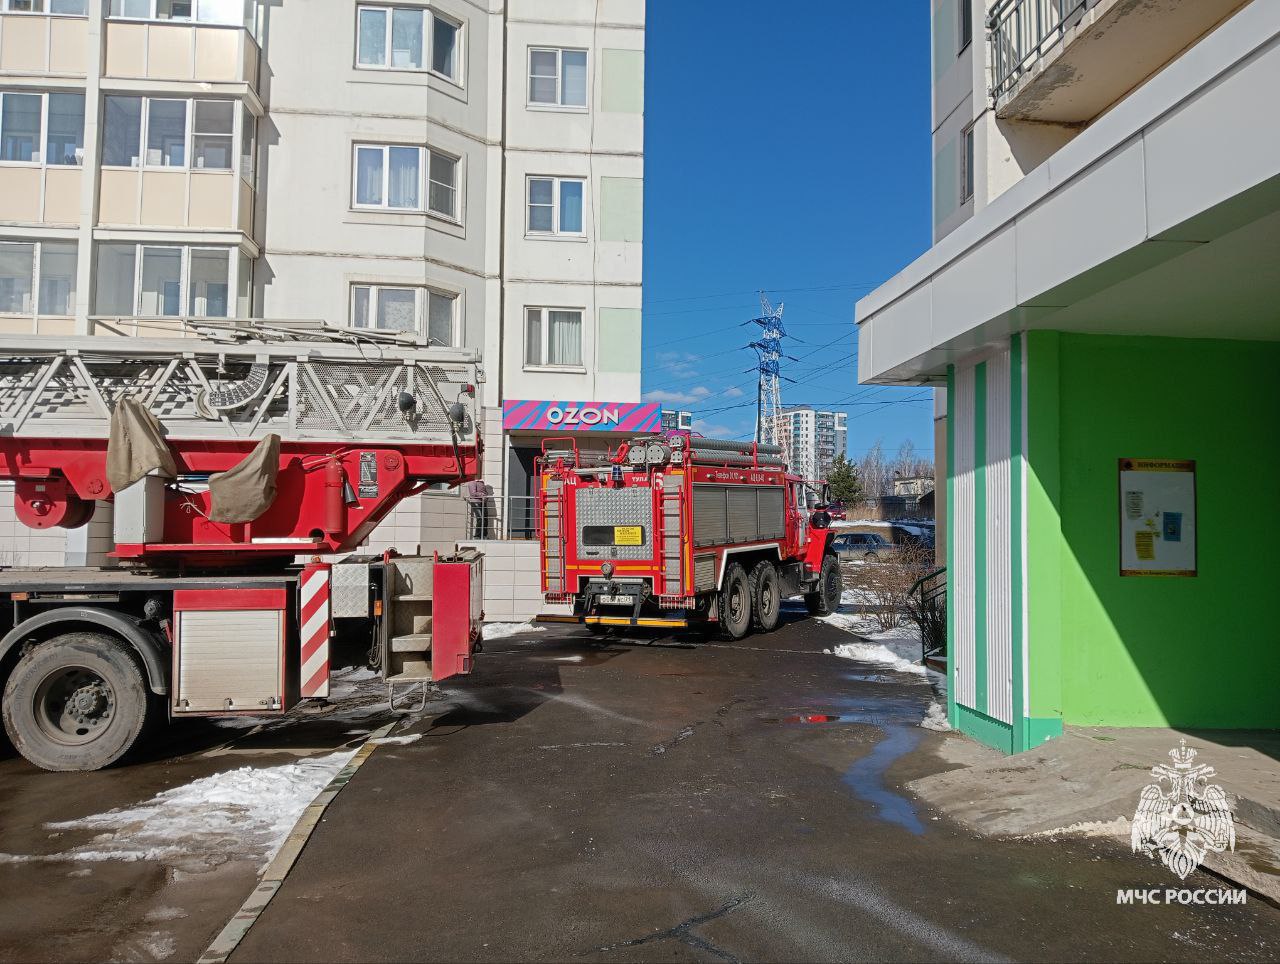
[826,599]
[735,603]
[76,702]
[766,596]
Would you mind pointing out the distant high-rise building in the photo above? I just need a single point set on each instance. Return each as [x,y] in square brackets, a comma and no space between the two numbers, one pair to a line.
[811,439]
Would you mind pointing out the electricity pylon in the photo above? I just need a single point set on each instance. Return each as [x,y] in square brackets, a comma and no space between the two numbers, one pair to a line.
[769,388]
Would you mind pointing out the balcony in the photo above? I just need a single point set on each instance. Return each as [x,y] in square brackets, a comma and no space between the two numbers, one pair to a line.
[194,199]
[194,53]
[1066,61]
[43,44]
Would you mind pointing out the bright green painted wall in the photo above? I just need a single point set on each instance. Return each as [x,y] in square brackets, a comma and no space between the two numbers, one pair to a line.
[1044,544]
[619,344]
[1135,651]
[622,84]
[621,208]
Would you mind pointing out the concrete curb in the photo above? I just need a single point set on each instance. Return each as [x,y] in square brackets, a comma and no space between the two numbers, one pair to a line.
[229,938]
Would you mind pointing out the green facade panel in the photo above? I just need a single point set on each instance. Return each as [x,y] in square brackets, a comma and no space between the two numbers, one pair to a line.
[621,209]
[622,81]
[618,345]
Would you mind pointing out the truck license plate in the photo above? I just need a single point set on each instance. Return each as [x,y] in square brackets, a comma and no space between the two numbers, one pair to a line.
[622,600]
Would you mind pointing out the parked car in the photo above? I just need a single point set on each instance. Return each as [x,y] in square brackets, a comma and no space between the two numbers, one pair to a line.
[864,546]
[836,510]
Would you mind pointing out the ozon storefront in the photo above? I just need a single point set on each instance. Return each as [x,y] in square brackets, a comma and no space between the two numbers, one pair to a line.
[596,426]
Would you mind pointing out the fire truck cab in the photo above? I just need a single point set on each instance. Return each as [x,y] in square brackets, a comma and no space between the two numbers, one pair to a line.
[675,530]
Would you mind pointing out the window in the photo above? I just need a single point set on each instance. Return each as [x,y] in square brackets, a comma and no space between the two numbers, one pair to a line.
[966,24]
[966,165]
[248,143]
[73,7]
[33,131]
[555,205]
[55,264]
[406,309]
[64,142]
[20,127]
[161,124]
[557,78]
[159,281]
[396,38]
[211,134]
[553,337]
[235,13]
[166,133]
[390,176]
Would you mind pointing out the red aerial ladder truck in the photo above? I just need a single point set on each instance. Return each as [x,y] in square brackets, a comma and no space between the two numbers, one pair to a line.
[675,530]
[227,456]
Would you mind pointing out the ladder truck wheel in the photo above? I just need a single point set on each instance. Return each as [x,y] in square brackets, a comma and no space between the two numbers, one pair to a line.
[826,599]
[766,596]
[735,603]
[76,702]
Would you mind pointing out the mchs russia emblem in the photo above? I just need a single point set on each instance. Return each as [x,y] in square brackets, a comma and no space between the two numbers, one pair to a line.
[1182,816]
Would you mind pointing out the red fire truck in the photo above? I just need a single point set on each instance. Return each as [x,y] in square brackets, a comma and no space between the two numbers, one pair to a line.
[228,457]
[675,530]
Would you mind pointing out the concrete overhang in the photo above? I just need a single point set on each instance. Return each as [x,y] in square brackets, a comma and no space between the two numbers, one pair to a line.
[1162,218]
[1106,50]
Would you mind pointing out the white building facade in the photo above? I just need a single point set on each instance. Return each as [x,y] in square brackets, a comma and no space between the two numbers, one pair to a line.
[472,172]
[811,439]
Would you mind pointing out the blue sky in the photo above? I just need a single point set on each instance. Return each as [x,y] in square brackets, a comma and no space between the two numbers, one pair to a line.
[789,153]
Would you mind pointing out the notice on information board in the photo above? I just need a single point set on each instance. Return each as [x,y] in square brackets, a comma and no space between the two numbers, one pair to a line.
[1157,517]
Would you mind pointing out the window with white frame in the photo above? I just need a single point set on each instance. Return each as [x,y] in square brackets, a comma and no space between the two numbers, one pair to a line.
[553,337]
[398,308]
[406,38]
[37,278]
[170,281]
[557,77]
[74,8]
[555,205]
[41,128]
[175,133]
[235,13]
[966,164]
[399,177]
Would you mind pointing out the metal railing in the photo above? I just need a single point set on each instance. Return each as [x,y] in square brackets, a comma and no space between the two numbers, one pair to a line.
[1020,31]
[929,607]
[507,517]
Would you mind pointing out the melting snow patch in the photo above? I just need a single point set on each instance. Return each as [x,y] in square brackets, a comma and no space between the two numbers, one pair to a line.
[503,630]
[397,740]
[936,718]
[245,813]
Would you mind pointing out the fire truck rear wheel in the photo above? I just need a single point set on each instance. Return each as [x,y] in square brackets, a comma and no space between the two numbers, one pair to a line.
[830,585]
[76,702]
[766,596]
[735,602]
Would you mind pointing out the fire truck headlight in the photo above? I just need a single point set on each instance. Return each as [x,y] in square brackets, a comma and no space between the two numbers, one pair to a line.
[607,570]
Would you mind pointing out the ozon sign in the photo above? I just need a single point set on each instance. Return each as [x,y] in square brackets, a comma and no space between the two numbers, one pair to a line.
[581,416]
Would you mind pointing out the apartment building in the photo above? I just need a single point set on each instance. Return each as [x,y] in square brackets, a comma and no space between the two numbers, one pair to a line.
[1099,308]
[472,172]
[811,439]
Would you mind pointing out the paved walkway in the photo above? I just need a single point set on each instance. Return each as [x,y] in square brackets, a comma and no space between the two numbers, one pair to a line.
[714,802]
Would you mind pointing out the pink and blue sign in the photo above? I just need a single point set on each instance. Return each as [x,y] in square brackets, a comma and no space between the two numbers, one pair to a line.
[551,416]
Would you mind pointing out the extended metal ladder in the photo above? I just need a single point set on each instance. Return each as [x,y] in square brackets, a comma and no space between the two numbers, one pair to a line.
[241,382]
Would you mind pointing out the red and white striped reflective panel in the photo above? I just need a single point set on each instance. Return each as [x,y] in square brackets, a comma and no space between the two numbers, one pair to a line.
[313,615]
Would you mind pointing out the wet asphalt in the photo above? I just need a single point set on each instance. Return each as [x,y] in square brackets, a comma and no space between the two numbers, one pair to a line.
[638,799]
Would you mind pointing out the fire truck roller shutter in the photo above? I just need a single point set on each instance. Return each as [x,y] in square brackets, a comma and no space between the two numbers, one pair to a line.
[734,514]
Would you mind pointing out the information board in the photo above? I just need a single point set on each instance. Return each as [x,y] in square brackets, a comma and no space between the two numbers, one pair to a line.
[1157,517]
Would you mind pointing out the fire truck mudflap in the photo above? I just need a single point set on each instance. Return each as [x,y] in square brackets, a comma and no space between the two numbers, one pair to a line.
[674,531]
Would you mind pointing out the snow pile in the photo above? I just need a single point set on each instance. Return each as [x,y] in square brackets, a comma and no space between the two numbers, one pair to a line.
[344,684]
[935,718]
[503,630]
[244,813]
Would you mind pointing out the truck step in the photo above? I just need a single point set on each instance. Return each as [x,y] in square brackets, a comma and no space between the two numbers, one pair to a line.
[411,643]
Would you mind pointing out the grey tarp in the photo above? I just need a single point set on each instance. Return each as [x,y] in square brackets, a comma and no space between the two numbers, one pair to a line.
[136,445]
[244,492]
